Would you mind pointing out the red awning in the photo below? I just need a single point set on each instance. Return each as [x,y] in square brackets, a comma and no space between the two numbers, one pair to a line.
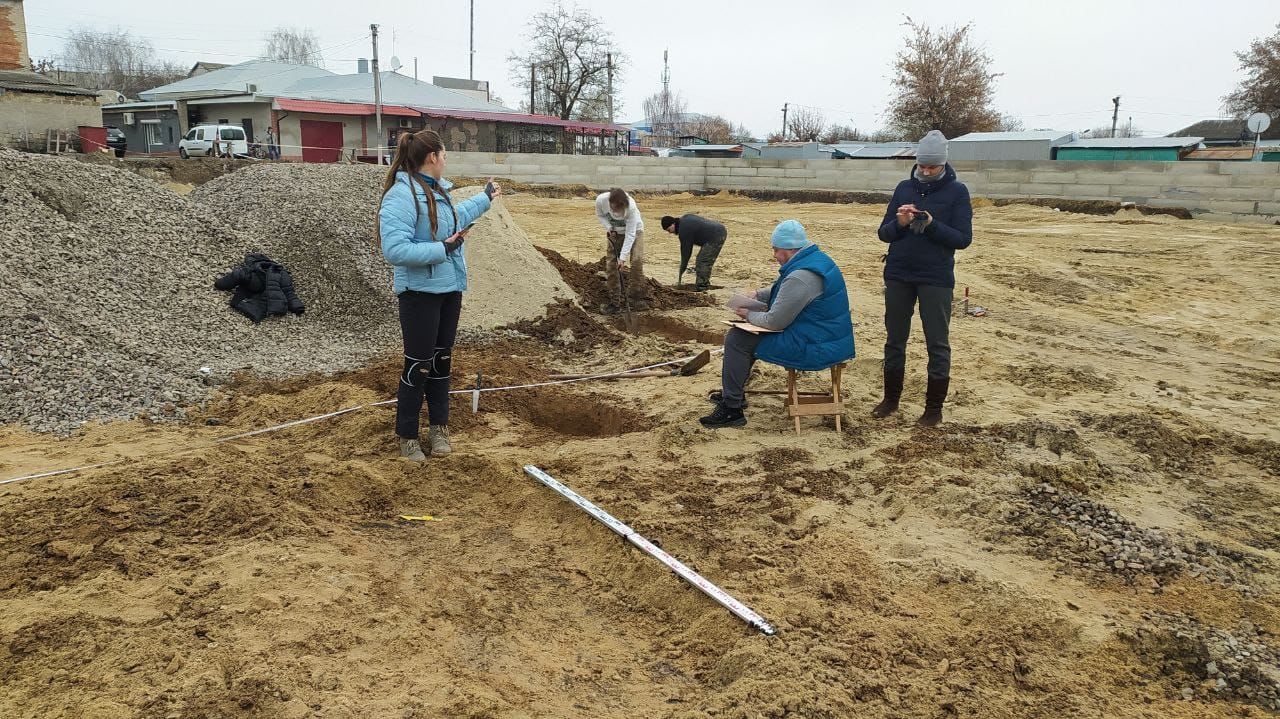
[323,107]
[517,118]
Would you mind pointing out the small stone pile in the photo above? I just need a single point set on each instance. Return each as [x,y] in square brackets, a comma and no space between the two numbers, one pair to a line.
[1108,542]
[1240,664]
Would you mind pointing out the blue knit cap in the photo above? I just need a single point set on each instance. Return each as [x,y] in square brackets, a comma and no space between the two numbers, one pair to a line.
[789,235]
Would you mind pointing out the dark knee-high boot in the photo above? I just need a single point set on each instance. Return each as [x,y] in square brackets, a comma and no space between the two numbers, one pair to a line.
[934,395]
[892,393]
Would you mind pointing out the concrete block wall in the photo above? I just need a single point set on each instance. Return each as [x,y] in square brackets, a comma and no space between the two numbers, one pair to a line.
[1226,187]
[25,117]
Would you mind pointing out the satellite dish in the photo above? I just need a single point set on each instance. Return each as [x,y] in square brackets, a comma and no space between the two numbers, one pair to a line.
[395,63]
[1259,122]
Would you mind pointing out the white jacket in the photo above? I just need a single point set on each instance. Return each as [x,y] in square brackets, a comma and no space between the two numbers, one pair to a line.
[626,224]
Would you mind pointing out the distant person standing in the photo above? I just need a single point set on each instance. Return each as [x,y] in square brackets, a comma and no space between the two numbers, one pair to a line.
[708,235]
[928,219]
[273,150]
[624,249]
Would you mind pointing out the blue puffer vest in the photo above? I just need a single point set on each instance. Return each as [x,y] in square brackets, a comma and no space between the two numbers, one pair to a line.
[418,255]
[822,334]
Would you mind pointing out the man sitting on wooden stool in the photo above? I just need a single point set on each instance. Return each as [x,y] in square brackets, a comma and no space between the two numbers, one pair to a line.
[806,312]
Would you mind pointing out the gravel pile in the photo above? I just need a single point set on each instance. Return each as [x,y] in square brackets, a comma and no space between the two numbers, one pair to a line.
[1240,664]
[319,221]
[109,309]
[1107,542]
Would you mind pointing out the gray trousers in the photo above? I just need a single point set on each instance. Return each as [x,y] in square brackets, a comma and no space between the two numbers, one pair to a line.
[935,314]
[739,355]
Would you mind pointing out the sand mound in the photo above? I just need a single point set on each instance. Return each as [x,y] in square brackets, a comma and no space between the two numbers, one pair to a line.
[323,216]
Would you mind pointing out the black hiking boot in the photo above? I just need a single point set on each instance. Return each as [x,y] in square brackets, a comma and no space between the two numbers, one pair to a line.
[723,416]
[892,393]
[934,396]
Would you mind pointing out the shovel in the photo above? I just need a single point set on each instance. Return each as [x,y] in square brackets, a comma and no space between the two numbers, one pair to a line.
[688,368]
[628,318]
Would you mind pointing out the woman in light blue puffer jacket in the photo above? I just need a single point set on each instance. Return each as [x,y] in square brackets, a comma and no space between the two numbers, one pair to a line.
[422,234]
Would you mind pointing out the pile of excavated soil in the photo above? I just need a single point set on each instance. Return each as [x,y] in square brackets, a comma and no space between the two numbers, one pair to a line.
[321,219]
[588,280]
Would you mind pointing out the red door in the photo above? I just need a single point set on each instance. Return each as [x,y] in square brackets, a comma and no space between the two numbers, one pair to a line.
[321,141]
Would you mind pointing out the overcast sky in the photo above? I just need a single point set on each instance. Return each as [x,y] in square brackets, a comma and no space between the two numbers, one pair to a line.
[1170,61]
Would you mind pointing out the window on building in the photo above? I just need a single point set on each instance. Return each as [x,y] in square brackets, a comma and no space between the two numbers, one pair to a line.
[154,136]
[171,134]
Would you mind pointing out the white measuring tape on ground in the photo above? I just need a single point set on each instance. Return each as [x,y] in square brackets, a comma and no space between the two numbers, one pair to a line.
[721,597]
[475,395]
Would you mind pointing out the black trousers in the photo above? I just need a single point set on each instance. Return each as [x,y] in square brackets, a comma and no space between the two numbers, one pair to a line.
[935,315]
[428,324]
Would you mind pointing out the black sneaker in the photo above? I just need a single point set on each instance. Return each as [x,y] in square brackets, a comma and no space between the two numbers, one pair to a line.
[717,397]
[723,416]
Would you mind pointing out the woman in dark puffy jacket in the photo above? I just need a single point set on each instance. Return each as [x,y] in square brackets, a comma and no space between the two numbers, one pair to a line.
[928,219]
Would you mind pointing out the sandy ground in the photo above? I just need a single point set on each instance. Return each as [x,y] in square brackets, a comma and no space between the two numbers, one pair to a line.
[1131,361]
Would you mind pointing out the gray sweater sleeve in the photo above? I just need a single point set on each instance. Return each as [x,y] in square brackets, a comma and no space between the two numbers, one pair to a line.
[797,291]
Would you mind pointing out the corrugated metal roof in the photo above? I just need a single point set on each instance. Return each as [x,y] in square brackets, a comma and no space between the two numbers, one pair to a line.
[26,81]
[125,106]
[341,108]
[396,90]
[1033,135]
[710,148]
[876,150]
[1136,142]
[269,77]
[523,119]
[1222,153]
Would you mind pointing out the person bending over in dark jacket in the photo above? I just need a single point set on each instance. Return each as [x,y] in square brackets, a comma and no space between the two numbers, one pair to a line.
[928,219]
[708,235]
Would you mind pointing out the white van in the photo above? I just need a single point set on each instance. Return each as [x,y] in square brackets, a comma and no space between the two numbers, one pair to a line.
[200,140]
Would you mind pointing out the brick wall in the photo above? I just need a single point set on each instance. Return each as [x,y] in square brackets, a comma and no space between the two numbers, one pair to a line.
[1226,187]
[26,116]
[13,37]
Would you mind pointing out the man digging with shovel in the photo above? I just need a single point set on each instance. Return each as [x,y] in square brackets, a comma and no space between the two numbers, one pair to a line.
[624,250]
[708,235]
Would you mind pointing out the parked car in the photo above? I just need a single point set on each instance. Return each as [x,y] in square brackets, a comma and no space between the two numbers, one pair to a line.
[201,139]
[117,141]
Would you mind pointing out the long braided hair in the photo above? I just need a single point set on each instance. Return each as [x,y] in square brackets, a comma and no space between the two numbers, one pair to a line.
[412,150]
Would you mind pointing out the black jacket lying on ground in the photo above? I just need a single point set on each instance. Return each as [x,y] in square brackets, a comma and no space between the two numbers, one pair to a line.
[262,288]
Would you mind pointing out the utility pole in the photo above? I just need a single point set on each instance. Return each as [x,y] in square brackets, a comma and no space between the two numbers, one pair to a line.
[415,69]
[609,63]
[377,91]
[471,75]
[1115,115]
[533,78]
[785,105]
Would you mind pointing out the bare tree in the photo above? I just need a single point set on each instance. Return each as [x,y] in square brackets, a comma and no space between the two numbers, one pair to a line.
[712,128]
[1259,91]
[805,124]
[774,137]
[836,133]
[568,56]
[112,60]
[1009,123]
[290,44]
[943,82]
[885,134]
[666,113]
[1126,130]
[740,133]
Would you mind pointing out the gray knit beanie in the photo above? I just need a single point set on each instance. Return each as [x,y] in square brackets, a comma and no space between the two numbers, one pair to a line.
[932,149]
